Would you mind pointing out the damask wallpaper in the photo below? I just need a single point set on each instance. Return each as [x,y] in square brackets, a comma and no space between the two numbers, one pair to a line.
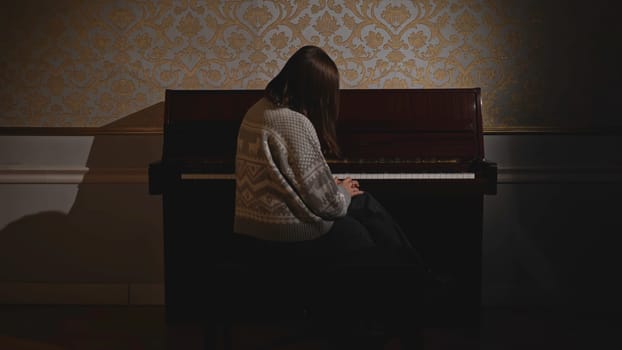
[89,63]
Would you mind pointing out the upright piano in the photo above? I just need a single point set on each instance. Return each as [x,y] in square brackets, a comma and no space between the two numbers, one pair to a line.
[420,152]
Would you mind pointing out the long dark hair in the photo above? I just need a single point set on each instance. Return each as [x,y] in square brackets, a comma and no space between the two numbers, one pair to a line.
[309,84]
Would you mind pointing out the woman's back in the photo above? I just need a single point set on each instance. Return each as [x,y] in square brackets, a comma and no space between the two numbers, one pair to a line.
[284,188]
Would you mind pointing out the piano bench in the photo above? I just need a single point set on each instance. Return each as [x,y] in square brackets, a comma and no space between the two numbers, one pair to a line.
[331,300]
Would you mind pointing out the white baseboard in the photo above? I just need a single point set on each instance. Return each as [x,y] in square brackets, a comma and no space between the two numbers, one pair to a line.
[51,293]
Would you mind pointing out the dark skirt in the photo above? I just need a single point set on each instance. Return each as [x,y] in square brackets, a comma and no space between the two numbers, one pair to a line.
[366,235]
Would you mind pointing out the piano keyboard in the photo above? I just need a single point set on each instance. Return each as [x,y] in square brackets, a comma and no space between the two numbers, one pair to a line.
[356,176]
[408,176]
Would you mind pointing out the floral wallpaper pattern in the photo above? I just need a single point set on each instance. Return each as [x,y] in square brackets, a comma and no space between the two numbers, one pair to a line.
[88,63]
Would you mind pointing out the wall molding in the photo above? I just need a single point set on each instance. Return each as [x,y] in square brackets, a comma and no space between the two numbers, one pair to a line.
[94,131]
[551,130]
[78,131]
[533,175]
[42,175]
[84,175]
[72,175]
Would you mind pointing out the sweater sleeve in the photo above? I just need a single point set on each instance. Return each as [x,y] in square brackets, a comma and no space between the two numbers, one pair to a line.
[297,153]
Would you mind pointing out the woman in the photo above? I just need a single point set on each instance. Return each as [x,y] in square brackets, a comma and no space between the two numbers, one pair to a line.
[286,195]
[289,207]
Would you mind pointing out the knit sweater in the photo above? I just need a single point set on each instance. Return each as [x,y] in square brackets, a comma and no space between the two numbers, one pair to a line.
[284,188]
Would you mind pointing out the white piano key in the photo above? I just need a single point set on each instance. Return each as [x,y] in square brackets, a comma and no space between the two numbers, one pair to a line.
[356,176]
[408,176]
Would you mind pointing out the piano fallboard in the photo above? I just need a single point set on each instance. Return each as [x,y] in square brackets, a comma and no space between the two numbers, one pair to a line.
[383,123]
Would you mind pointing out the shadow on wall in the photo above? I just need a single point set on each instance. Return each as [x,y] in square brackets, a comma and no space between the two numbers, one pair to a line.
[113,231]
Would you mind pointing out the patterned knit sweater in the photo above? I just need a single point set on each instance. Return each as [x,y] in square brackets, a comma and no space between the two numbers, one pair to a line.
[284,188]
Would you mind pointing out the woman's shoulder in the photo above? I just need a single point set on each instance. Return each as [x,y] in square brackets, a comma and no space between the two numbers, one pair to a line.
[277,112]
[266,109]
[258,108]
[279,115]
[278,119]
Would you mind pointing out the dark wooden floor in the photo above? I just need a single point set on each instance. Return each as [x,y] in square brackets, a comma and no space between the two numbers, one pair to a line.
[120,328]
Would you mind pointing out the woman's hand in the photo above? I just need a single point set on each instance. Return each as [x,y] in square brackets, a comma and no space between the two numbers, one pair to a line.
[352,186]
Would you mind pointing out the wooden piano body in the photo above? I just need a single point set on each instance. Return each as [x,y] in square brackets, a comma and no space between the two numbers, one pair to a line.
[418,151]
